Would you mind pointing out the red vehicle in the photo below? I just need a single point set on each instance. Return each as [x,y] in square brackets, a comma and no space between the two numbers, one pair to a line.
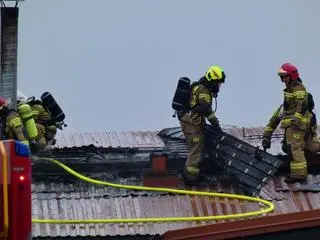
[15,191]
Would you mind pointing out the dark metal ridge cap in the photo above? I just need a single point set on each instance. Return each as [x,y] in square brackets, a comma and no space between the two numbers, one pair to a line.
[248,227]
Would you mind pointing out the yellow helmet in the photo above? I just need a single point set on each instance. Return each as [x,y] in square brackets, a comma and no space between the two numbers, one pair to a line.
[215,73]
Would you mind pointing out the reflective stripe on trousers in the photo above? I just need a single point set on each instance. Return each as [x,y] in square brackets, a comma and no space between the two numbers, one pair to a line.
[295,139]
[195,138]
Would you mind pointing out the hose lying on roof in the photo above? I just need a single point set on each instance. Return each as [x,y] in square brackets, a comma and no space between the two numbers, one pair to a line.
[269,207]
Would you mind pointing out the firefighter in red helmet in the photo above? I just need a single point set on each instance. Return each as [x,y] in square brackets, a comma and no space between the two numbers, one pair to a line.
[312,143]
[11,123]
[295,121]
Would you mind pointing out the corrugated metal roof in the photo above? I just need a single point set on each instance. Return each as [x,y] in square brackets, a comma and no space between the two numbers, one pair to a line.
[54,203]
[151,139]
[253,136]
[128,139]
[74,201]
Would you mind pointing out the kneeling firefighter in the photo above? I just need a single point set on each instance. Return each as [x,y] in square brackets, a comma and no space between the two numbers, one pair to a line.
[43,119]
[48,114]
[193,104]
[35,132]
[11,123]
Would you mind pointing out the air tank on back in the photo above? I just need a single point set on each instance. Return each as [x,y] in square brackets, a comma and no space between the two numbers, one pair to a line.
[30,126]
[182,94]
[51,105]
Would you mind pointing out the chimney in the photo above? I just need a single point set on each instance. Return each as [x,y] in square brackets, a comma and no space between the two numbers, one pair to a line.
[159,176]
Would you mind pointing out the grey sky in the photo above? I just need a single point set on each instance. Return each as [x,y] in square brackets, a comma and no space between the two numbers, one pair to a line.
[113,64]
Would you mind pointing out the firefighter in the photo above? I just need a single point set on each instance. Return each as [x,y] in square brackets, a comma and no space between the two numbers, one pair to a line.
[44,120]
[34,131]
[193,118]
[295,120]
[11,123]
[311,139]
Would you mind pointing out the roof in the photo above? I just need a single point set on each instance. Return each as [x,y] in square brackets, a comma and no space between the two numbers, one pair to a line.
[109,140]
[58,197]
[151,139]
[78,200]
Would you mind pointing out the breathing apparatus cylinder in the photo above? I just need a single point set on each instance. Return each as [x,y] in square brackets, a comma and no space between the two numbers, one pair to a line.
[51,105]
[182,94]
[30,126]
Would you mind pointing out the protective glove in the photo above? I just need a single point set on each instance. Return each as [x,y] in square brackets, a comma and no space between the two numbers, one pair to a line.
[297,122]
[215,124]
[266,143]
[315,139]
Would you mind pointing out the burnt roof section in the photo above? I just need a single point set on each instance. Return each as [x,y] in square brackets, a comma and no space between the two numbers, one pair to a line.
[252,135]
[152,139]
[247,165]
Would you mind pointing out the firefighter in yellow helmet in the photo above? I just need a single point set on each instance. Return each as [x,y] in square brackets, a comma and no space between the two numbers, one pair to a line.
[11,123]
[295,120]
[43,119]
[192,118]
[312,143]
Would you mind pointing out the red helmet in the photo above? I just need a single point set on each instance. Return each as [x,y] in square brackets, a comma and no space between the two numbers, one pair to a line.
[289,69]
[3,102]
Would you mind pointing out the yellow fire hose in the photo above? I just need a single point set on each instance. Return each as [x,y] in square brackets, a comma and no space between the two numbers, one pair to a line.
[269,207]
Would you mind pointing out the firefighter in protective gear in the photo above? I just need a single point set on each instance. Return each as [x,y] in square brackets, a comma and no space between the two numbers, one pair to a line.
[312,143]
[37,142]
[193,118]
[11,123]
[295,120]
[42,117]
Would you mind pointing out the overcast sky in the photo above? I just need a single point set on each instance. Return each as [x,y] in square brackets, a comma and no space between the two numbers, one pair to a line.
[113,65]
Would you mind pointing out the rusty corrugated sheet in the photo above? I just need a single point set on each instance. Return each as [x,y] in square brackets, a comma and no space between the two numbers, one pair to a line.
[76,207]
[56,202]
[287,225]
[128,139]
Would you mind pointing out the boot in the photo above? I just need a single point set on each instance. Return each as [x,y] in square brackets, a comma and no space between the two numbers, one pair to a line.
[190,180]
[291,178]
